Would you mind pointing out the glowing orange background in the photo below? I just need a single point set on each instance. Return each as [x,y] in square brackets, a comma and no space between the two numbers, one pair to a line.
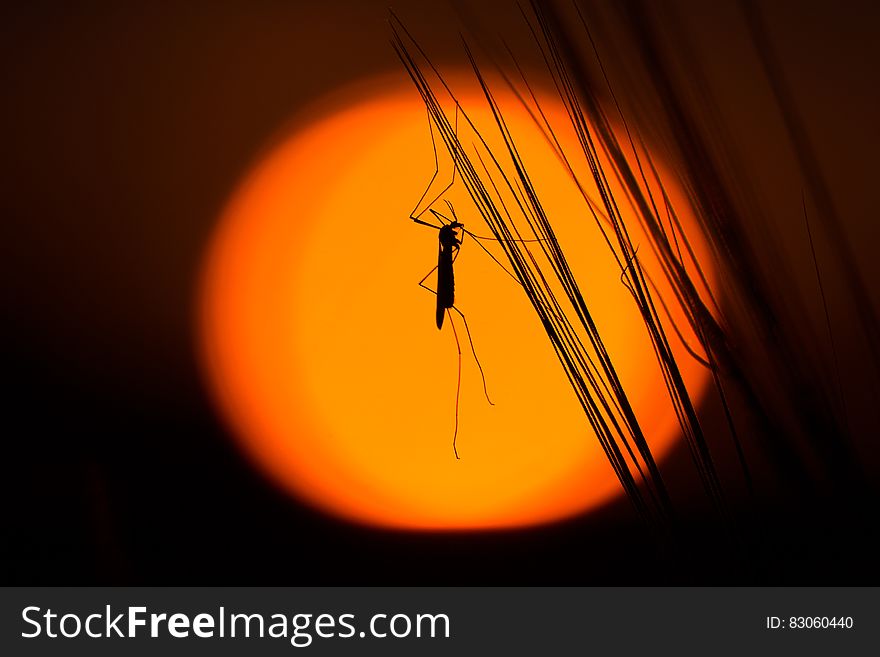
[324,356]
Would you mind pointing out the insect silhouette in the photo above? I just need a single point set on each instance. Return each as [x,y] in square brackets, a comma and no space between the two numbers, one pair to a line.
[449,246]
[447,251]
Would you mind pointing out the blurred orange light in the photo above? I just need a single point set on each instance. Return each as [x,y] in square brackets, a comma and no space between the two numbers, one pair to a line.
[323,353]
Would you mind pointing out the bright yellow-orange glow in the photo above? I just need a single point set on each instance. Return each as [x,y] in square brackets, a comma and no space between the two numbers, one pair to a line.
[324,356]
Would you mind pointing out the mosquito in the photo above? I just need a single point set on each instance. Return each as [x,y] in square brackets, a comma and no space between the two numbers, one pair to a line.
[451,232]
[449,246]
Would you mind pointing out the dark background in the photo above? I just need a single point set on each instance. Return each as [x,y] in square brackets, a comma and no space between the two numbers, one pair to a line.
[126,125]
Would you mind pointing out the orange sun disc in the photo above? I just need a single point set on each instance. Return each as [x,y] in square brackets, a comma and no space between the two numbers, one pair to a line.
[323,354]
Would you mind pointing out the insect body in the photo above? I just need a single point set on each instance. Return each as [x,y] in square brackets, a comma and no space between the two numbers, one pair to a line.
[448,249]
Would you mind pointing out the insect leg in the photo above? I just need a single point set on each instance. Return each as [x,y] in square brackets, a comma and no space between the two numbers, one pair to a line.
[457,385]
[425,223]
[442,218]
[474,352]
[422,282]
[434,292]
[436,171]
